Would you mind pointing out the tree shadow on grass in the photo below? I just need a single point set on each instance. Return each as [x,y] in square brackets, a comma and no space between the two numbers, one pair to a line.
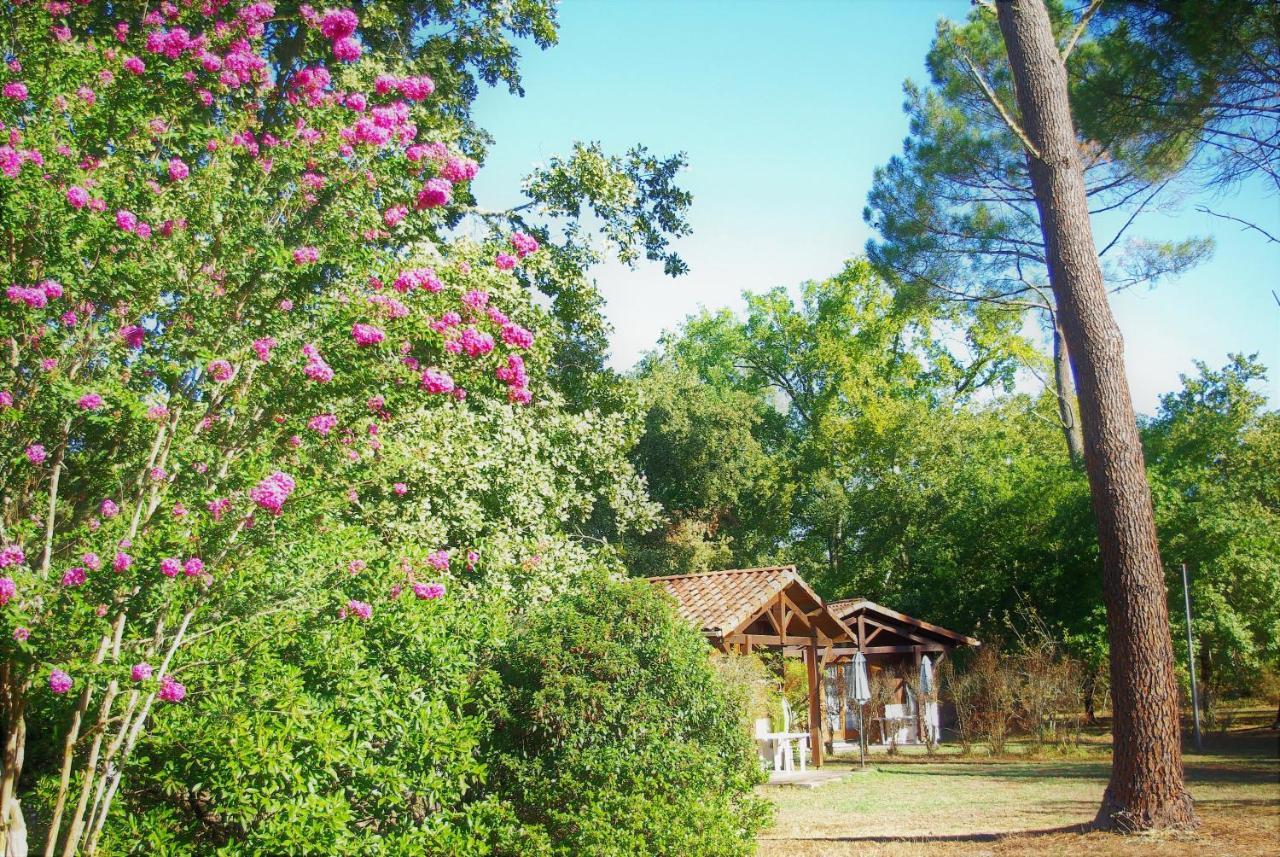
[941,837]
[1196,772]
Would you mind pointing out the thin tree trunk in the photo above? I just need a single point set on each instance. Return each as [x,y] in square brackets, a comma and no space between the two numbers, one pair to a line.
[1146,790]
[1065,389]
[1090,690]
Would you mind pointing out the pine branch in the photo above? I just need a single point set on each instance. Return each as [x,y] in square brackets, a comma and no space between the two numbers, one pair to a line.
[1079,30]
[1000,108]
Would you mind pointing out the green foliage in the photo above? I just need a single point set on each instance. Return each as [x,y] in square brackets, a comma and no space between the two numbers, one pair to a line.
[709,462]
[858,438]
[1213,455]
[614,735]
[304,734]
[1194,81]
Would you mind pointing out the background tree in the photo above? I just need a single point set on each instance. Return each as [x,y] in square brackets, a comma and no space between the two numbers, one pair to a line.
[1213,454]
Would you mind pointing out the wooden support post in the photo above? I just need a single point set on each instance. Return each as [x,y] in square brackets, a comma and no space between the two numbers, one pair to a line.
[921,706]
[815,702]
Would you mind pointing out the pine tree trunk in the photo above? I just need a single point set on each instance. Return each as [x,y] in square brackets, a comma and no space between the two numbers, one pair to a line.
[1065,390]
[1146,790]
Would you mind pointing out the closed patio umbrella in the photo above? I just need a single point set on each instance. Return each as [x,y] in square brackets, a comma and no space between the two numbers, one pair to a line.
[861,692]
[861,686]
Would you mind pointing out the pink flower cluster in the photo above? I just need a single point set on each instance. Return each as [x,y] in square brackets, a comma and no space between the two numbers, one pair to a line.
[218,507]
[516,379]
[90,402]
[525,245]
[436,380]
[367,334]
[74,576]
[413,88]
[36,297]
[220,371]
[59,681]
[339,26]
[322,424]
[515,335]
[358,609]
[472,342]
[11,555]
[8,589]
[435,193]
[133,335]
[428,591]
[457,169]
[171,691]
[417,278]
[140,672]
[271,492]
[317,370]
[305,255]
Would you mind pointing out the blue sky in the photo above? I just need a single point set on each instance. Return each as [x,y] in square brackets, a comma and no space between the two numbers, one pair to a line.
[784,109]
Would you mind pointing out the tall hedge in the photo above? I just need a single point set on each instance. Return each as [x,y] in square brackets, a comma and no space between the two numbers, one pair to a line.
[613,735]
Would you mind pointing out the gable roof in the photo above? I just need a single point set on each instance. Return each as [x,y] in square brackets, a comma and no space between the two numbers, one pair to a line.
[850,608]
[720,603]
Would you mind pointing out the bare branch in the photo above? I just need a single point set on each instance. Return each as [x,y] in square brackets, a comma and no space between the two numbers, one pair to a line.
[1079,30]
[996,103]
[1247,225]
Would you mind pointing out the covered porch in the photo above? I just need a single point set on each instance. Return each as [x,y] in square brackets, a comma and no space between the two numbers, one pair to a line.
[742,610]
[896,647]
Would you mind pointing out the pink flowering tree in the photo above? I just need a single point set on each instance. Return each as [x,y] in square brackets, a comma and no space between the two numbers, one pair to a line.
[230,275]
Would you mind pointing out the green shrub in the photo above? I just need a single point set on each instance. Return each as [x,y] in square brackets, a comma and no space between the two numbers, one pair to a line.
[615,736]
[316,735]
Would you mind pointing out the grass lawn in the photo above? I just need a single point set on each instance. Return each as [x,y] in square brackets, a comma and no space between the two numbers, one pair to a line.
[914,806]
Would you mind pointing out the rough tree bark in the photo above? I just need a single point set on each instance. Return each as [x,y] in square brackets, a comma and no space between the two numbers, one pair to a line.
[1146,790]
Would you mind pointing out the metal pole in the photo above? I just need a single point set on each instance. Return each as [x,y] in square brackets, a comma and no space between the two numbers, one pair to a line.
[862,735]
[1191,656]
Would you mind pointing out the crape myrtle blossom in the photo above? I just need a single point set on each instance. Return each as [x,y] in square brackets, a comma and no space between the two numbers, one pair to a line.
[428,591]
[272,492]
[189,255]
[524,244]
[171,690]
[11,555]
[367,334]
[60,681]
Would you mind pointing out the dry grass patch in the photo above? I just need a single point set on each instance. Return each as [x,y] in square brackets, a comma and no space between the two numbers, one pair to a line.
[949,805]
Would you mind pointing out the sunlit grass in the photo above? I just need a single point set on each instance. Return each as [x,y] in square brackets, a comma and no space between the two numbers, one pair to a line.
[910,804]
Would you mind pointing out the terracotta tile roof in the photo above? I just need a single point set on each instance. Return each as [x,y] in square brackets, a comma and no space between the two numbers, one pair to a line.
[717,602]
[721,603]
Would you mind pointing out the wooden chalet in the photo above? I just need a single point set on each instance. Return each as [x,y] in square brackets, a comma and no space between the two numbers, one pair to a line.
[739,610]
